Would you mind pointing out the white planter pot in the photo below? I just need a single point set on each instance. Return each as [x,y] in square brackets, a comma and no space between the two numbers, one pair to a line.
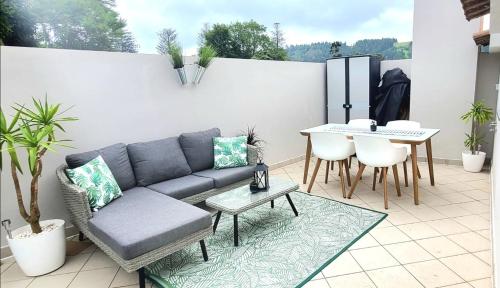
[40,254]
[199,74]
[182,75]
[473,163]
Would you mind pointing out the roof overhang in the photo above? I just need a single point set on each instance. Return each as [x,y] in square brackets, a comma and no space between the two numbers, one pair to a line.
[475,8]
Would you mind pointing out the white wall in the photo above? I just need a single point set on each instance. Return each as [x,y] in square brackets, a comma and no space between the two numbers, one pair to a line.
[122,97]
[404,64]
[443,72]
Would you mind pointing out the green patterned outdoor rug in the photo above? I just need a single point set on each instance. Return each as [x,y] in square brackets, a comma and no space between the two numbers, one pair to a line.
[276,248]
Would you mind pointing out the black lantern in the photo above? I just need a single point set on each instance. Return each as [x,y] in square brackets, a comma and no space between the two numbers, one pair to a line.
[260,178]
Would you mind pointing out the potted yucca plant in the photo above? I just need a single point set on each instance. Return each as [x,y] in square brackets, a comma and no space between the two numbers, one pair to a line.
[177,60]
[479,114]
[205,56]
[39,247]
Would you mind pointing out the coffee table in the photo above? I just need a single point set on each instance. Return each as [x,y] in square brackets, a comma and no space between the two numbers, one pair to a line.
[241,199]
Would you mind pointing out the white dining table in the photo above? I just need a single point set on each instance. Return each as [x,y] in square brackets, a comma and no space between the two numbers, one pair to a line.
[412,137]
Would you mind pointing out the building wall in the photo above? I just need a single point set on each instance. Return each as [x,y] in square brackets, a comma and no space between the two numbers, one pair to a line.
[488,70]
[122,97]
[404,64]
[443,72]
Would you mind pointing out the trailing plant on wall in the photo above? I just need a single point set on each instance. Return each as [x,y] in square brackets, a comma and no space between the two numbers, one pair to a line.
[175,52]
[32,130]
[479,114]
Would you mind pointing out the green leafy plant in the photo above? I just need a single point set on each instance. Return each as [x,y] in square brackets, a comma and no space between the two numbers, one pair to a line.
[175,52]
[34,131]
[479,114]
[254,140]
[206,54]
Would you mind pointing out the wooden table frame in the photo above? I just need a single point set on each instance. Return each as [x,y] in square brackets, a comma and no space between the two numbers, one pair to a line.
[413,144]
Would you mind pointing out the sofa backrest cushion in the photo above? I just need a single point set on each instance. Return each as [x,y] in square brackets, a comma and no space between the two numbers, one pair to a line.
[157,161]
[198,148]
[115,156]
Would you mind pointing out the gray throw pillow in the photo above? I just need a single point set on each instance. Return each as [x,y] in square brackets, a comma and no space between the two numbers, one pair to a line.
[157,161]
[198,148]
[115,156]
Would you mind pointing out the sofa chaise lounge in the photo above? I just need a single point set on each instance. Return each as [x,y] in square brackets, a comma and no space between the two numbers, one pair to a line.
[160,180]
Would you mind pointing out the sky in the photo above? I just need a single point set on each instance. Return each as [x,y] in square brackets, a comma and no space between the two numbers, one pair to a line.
[302,21]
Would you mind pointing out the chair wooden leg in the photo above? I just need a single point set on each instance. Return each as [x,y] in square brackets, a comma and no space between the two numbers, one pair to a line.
[418,173]
[380,179]
[359,166]
[313,177]
[386,200]
[375,171]
[347,172]
[332,165]
[356,180]
[342,178]
[396,178]
[327,170]
[405,169]
[350,161]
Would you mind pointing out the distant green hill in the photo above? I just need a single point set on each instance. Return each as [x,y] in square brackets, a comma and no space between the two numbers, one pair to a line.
[387,48]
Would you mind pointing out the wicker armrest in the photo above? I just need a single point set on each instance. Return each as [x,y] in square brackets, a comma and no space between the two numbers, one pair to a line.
[252,154]
[75,199]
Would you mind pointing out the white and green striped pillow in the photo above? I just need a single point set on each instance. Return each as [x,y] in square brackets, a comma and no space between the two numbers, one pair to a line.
[96,178]
[230,152]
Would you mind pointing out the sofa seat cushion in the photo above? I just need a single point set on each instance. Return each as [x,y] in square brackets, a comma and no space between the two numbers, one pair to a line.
[227,176]
[199,148]
[115,156]
[143,220]
[183,187]
[157,161]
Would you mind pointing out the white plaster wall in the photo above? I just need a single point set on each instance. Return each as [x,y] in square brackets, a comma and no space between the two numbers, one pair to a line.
[404,64]
[121,97]
[443,72]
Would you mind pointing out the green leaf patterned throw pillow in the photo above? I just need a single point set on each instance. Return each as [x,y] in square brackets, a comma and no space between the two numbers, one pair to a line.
[96,178]
[230,152]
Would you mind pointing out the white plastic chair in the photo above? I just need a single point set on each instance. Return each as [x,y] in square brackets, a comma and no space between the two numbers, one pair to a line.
[331,147]
[358,123]
[405,125]
[381,153]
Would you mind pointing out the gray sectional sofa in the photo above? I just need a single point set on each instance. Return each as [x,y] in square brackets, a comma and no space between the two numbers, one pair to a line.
[160,180]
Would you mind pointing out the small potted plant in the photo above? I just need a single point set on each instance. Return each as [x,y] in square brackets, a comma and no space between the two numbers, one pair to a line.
[479,114]
[177,60]
[205,56]
[39,247]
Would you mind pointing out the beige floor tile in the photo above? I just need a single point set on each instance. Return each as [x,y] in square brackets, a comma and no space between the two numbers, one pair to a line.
[461,285]
[468,266]
[322,283]
[393,277]
[6,263]
[52,281]
[99,260]
[471,241]
[433,274]
[123,278]
[373,258]
[366,241]
[358,280]
[344,264]
[389,235]
[452,210]
[14,273]
[425,213]
[419,230]
[94,278]
[73,264]
[483,283]
[486,233]
[401,217]
[477,194]
[486,256]
[455,197]
[408,252]
[441,247]
[473,222]
[475,207]
[318,276]
[16,284]
[447,226]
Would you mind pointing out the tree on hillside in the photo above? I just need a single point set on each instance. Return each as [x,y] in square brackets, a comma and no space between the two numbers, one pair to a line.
[203,32]
[17,24]
[243,40]
[335,49]
[83,24]
[277,36]
[167,37]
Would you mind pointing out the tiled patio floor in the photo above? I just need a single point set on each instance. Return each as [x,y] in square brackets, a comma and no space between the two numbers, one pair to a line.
[443,242]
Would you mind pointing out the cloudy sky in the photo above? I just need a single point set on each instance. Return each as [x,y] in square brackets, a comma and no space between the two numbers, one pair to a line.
[301,21]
